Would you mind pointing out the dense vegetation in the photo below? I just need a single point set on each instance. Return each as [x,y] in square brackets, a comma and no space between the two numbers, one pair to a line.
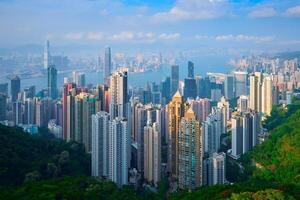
[26,157]
[51,169]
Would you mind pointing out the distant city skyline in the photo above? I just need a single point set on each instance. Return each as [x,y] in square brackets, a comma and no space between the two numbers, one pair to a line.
[227,25]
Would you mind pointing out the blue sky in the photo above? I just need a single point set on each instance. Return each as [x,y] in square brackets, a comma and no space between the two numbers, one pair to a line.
[233,25]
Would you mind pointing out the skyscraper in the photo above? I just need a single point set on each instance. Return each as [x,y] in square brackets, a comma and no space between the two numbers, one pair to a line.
[214,169]
[100,141]
[15,86]
[152,152]
[212,130]
[119,152]
[107,65]
[201,108]
[2,106]
[175,110]
[69,93]
[242,103]
[118,92]
[46,55]
[190,69]
[229,86]
[52,82]
[245,130]
[267,95]
[255,101]
[240,83]
[174,78]
[165,90]
[190,88]
[85,107]
[190,152]
[223,105]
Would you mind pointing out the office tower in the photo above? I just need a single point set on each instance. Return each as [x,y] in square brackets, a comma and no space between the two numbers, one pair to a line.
[2,106]
[190,88]
[4,88]
[190,69]
[15,86]
[175,110]
[69,92]
[255,92]
[46,55]
[107,65]
[58,113]
[29,111]
[201,108]
[206,89]
[43,111]
[18,112]
[240,83]
[174,78]
[79,79]
[190,152]
[212,130]
[84,109]
[229,86]
[52,82]
[118,94]
[245,130]
[119,152]
[166,90]
[214,169]
[100,131]
[267,95]
[152,153]
[242,103]
[139,123]
[223,105]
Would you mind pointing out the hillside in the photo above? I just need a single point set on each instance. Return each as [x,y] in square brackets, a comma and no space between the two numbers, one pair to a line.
[25,157]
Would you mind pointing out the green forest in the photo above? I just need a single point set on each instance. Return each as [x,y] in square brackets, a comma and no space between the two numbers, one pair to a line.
[41,167]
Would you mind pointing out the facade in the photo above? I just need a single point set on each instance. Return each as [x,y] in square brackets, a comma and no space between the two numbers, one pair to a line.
[46,55]
[223,105]
[119,152]
[190,69]
[3,99]
[175,111]
[100,144]
[152,153]
[15,86]
[255,97]
[267,95]
[189,152]
[107,65]
[240,83]
[118,94]
[229,86]
[174,78]
[52,82]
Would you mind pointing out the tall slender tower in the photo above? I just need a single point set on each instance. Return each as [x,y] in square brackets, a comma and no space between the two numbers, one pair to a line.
[100,130]
[118,92]
[175,110]
[174,78]
[267,95]
[15,86]
[119,151]
[52,82]
[255,91]
[190,152]
[190,69]
[46,55]
[107,65]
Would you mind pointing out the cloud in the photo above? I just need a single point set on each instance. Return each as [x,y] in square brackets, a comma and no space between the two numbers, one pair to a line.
[293,11]
[243,38]
[263,12]
[193,10]
[172,36]
[73,36]
[123,36]
[94,36]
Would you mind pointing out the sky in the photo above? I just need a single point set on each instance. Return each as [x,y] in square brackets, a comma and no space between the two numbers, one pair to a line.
[212,25]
